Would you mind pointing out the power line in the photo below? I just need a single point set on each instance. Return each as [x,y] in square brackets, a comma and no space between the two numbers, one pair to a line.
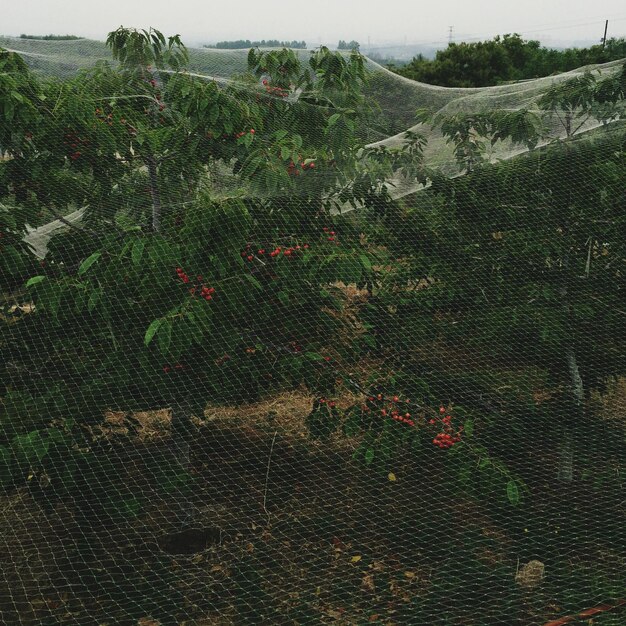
[481,37]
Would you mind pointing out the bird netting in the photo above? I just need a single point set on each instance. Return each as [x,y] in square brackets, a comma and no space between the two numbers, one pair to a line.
[289,339]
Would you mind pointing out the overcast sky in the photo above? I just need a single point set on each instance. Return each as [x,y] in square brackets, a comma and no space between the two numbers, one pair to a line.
[203,21]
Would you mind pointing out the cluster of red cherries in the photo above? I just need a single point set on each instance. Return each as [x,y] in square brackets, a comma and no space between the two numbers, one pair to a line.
[204,291]
[392,407]
[168,368]
[447,437]
[331,235]
[295,169]
[274,91]
[74,142]
[242,133]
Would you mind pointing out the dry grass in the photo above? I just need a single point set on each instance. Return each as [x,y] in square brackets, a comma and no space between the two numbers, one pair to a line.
[613,402]
[285,413]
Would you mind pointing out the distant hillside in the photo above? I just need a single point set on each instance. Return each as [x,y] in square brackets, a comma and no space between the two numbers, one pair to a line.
[51,37]
[240,44]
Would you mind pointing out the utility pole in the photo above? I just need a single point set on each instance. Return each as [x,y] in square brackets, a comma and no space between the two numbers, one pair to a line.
[606,28]
[450,34]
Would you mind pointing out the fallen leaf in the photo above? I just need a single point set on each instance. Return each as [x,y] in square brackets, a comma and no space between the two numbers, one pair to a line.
[356,558]
[392,477]
[409,574]
[368,583]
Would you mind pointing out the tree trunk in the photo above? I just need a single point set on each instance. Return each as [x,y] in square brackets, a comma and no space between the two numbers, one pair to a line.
[181,434]
[575,413]
[568,124]
[576,397]
[154,192]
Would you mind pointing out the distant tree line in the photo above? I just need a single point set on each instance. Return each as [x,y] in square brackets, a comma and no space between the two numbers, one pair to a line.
[51,37]
[504,59]
[264,43]
[348,45]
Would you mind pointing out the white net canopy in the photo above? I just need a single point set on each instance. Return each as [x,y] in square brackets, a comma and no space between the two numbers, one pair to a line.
[288,338]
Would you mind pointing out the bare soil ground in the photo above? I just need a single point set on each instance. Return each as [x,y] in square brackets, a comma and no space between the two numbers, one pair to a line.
[271,528]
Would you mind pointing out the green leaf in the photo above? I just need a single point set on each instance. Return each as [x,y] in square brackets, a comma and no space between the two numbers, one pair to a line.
[253,281]
[333,119]
[468,427]
[5,466]
[465,475]
[88,262]
[369,456]
[283,296]
[313,356]
[349,270]
[484,463]
[137,252]
[512,492]
[152,330]
[369,340]
[30,448]
[131,507]
[164,336]
[34,280]
[94,299]
[365,262]
[351,426]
